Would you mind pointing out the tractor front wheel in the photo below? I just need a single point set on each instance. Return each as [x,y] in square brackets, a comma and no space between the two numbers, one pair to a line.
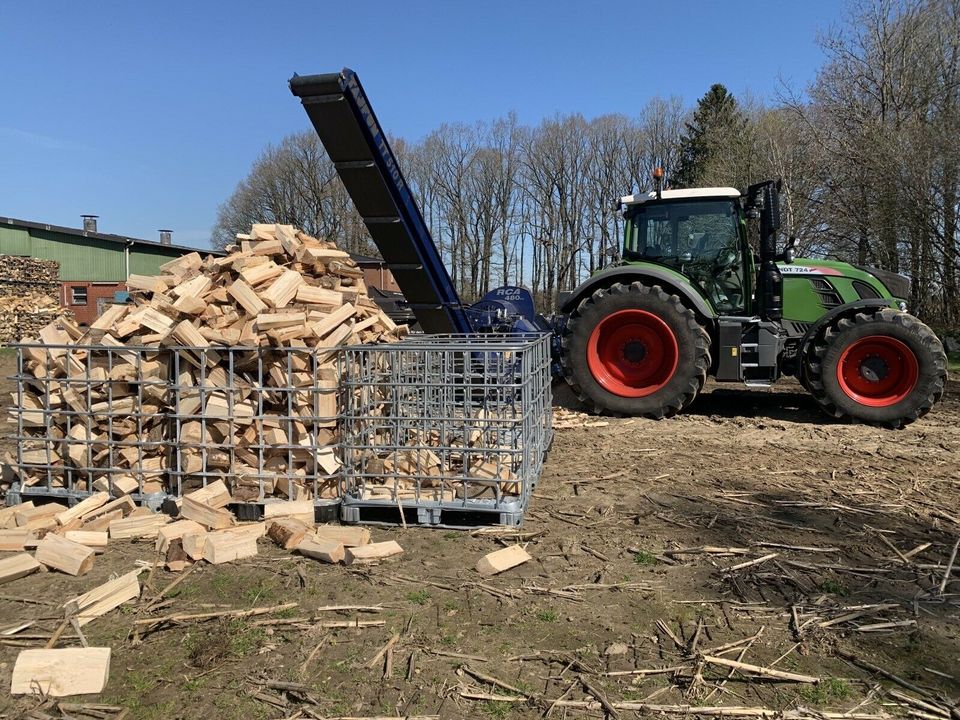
[635,350]
[883,368]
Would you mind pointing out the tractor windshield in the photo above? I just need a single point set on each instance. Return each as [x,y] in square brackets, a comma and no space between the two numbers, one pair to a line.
[696,238]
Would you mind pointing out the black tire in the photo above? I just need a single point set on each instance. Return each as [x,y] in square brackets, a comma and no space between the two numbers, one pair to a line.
[692,351]
[835,392]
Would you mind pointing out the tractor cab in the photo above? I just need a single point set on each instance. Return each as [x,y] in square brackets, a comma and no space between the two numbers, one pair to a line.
[700,234]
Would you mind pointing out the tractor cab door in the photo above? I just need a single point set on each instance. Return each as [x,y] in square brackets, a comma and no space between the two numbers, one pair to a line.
[700,239]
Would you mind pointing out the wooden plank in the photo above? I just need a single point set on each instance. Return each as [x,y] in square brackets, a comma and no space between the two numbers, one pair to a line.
[65,555]
[374,552]
[17,566]
[501,560]
[328,551]
[60,672]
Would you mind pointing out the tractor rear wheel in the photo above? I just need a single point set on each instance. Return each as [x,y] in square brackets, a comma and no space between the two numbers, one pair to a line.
[882,368]
[635,350]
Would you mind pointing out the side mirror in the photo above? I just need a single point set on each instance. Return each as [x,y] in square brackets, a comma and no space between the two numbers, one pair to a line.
[789,253]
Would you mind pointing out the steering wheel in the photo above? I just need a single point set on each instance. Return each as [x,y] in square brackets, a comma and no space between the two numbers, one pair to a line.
[726,259]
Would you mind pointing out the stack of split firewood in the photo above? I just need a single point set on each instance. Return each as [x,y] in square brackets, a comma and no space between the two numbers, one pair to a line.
[222,367]
[29,296]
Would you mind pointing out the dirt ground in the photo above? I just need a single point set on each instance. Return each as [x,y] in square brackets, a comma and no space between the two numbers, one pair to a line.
[851,529]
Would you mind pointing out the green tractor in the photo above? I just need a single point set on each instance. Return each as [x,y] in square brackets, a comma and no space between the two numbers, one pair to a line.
[691,298]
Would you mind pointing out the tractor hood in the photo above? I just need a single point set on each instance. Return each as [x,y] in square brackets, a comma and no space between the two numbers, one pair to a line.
[888,283]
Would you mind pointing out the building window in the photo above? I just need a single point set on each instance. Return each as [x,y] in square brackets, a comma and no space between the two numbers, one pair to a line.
[78,296]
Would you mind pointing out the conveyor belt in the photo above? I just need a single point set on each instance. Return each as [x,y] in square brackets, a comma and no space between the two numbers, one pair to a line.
[348,129]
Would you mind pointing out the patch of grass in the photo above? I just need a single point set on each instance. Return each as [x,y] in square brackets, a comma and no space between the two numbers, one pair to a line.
[259,592]
[448,640]
[548,616]
[451,604]
[826,692]
[141,681]
[953,361]
[494,709]
[230,639]
[418,597]
[642,557]
[834,587]
[222,585]
[452,534]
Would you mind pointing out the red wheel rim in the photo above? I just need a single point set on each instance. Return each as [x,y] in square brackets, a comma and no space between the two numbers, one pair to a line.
[877,371]
[632,353]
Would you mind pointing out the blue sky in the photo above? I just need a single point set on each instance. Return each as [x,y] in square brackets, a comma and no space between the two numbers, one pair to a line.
[148,114]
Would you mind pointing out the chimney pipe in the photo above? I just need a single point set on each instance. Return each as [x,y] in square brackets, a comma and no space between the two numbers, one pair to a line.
[89,223]
[166,237]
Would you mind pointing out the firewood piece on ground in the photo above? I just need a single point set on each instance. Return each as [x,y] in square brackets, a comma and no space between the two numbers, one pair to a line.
[226,546]
[65,555]
[349,535]
[61,672]
[329,551]
[371,553]
[103,598]
[502,560]
[17,566]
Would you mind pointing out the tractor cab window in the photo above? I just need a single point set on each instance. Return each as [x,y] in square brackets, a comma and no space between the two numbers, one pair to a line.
[698,239]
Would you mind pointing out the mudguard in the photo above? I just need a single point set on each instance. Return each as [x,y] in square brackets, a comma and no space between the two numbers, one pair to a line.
[647,275]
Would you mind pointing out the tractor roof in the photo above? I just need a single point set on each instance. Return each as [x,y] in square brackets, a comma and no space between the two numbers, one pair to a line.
[710,192]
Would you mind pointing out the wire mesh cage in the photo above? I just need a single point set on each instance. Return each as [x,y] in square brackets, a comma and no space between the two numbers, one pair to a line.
[264,420]
[444,430]
[157,422]
[91,418]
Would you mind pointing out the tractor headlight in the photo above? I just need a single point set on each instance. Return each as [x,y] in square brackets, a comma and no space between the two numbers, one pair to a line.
[902,305]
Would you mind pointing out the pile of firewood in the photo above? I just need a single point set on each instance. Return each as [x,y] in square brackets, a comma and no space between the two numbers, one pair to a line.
[68,539]
[223,367]
[29,296]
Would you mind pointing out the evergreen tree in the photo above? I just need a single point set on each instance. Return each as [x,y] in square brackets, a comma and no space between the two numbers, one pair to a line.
[711,143]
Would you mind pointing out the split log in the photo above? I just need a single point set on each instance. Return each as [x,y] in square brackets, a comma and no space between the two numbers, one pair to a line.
[65,555]
[17,566]
[325,550]
[61,672]
[227,546]
[374,552]
[502,560]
